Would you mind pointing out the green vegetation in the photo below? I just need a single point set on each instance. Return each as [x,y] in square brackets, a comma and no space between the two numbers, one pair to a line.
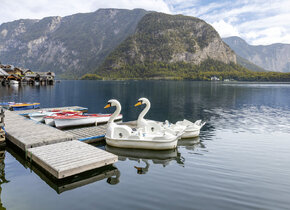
[160,37]
[186,71]
[91,77]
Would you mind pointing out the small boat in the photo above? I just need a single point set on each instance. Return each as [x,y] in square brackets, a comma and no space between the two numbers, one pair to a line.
[125,137]
[39,116]
[185,128]
[20,106]
[73,120]
[192,129]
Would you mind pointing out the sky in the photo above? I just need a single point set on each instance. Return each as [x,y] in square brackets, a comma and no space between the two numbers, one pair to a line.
[256,21]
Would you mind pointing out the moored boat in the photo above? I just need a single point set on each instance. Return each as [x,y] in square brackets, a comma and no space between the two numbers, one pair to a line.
[72,120]
[39,116]
[125,137]
[19,106]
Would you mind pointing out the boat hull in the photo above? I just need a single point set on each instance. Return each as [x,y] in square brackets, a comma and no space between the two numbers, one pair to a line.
[24,107]
[37,118]
[49,121]
[89,120]
[190,134]
[143,144]
[61,123]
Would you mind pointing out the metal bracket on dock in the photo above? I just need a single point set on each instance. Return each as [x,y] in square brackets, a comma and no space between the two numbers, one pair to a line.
[2,116]
[2,130]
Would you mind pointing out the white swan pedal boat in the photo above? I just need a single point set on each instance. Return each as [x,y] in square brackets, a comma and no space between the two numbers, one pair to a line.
[185,128]
[123,136]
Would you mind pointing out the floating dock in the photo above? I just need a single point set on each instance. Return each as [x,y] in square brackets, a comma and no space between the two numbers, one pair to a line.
[69,158]
[57,151]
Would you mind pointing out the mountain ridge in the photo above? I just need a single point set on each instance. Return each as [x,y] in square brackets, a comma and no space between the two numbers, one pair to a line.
[168,39]
[274,57]
[71,45]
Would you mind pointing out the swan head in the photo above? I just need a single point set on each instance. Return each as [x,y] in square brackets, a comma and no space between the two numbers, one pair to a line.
[142,101]
[112,102]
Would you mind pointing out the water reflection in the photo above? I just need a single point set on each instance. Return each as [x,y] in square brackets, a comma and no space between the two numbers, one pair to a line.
[3,179]
[142,157]
[111,173]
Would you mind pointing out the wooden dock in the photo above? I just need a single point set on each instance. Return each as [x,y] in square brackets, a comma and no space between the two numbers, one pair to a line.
[89,134]
[57,151]
[68,158]
[26,133]
[109,172]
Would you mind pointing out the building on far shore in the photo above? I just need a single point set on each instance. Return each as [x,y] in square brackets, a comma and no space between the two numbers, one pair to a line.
[15,75]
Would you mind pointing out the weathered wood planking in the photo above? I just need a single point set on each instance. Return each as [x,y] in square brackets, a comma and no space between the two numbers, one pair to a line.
[69,158]
[89,134]
[26,133]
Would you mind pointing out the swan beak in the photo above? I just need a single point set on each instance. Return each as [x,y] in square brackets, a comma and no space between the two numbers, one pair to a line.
[138,104]
[107,106]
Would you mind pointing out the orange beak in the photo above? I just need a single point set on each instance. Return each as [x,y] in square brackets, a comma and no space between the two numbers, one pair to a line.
[138,104]
[107,106]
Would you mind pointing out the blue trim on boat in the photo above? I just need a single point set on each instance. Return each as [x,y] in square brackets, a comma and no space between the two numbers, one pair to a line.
[4,129]
[93,137]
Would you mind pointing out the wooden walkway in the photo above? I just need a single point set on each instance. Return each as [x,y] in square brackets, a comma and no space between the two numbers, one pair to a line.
[57,151]
[26,133]
[68,158]
[110,173]
[89,134]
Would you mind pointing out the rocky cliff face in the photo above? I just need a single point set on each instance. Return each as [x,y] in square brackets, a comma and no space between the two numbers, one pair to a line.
[170,39]
[72,45]
[275,57]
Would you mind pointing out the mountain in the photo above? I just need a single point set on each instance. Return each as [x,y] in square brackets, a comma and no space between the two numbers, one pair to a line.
[274,57]
[166,41]
[72,45]
[249,65]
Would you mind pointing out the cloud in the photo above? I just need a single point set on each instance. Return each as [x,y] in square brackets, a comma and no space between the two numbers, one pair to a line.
[257,21]
[23,9]
[225,29]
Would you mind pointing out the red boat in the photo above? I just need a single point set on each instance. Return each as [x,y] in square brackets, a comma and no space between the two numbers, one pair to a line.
[61,120]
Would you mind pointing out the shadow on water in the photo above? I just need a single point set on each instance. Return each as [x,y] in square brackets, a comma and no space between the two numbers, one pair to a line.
[3,179]
[163,157]
[111,173]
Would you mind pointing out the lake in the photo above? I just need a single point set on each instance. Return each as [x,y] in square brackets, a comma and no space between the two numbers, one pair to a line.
[241,162]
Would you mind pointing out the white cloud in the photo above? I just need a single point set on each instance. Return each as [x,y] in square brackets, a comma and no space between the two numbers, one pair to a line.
[225,29]
[23,9]
[257,21]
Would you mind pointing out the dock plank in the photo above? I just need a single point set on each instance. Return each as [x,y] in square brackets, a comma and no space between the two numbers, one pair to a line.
[26,133]
[69,158]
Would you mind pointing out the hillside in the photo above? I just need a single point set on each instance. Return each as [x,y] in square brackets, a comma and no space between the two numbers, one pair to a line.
[72,45]
[275,57]
[166,41]
[249,65]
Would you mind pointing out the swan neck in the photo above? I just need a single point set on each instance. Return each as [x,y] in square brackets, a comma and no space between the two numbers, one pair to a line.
[115,114]
[144,112]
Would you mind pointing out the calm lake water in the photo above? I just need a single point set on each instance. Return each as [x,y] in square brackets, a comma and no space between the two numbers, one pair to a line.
[241,162]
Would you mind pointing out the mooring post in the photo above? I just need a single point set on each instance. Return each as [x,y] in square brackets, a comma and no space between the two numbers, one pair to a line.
[2,130]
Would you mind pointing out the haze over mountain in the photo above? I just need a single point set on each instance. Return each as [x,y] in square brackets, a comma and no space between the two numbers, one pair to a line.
[112,39]
[274,57]
[72,45]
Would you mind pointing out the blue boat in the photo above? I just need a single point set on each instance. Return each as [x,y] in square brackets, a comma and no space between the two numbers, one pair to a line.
[19,106]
